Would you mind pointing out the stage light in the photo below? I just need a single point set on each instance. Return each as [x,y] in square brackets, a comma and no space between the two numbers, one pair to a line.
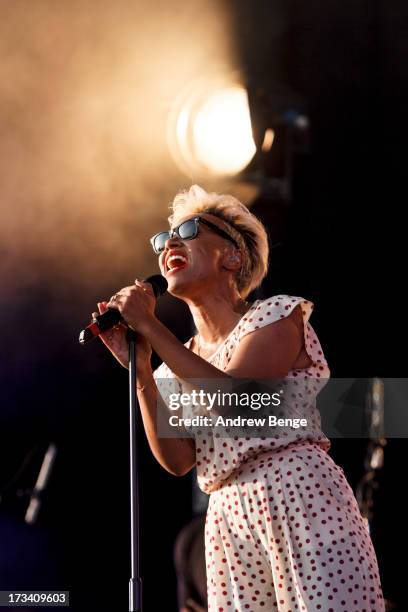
[222,132]
[268,140]
[209,130]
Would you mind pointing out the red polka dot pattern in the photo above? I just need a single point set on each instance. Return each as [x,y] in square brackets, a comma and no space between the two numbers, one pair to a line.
[285,533]
[212,468]
[283,529]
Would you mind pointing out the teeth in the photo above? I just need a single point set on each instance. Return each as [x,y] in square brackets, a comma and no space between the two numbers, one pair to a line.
[174,257]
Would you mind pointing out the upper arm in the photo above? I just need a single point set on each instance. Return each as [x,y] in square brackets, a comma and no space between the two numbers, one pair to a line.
[270,351]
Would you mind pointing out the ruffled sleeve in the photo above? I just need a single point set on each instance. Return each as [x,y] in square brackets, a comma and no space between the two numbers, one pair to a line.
[278,307]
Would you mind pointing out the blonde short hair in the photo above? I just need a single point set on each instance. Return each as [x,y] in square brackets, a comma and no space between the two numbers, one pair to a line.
[239,223]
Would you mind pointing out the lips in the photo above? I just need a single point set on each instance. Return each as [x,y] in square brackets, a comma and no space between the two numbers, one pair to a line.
[175,260]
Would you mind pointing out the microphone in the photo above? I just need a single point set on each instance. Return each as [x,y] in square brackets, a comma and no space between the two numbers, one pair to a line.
[112,316]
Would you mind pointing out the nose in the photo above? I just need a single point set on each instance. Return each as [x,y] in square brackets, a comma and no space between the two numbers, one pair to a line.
[172,242]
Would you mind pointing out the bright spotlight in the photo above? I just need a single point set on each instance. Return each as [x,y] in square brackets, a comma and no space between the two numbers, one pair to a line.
[222,132]
[210,131]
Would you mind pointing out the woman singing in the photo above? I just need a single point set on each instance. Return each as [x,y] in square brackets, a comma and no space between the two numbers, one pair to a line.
[283,529]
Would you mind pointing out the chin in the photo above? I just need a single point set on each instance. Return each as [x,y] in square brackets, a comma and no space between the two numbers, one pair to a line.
[179,284]
[178,289]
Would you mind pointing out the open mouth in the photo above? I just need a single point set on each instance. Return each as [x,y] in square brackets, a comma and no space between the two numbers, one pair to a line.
[175,263]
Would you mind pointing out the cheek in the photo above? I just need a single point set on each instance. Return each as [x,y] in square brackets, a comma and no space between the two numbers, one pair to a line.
[204,262]
[161,263]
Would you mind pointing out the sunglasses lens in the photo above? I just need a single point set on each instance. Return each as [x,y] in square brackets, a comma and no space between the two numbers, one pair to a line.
[187,230]
[160,241]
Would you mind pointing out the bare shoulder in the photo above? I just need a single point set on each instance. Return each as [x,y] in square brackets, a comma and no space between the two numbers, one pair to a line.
[296,317]
[280,342]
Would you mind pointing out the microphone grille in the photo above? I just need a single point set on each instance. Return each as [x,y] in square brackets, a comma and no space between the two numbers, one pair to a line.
[159,284]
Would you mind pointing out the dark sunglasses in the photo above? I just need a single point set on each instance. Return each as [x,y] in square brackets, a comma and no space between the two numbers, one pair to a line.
[188,230]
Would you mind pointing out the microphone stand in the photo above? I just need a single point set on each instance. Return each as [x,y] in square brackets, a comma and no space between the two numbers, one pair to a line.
[99,324]
[135,582]
[42,481]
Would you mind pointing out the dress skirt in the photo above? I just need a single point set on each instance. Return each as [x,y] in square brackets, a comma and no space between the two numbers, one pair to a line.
[284,532]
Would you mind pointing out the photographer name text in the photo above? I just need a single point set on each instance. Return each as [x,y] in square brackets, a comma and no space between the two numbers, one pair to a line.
[238,421]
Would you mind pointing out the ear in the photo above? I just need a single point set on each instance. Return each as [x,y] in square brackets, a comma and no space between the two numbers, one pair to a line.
[232,259]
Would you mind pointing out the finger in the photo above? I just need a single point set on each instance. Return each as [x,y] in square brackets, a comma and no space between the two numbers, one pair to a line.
[119,327]
[114,303]
[102,307]
[145,286]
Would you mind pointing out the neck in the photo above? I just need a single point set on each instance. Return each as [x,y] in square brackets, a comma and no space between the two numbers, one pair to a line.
[216,314]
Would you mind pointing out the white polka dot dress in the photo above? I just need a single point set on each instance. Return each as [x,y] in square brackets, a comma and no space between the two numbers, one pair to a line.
[283,528]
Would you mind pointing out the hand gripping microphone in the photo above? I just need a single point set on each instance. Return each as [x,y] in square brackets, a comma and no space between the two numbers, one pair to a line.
[112,316]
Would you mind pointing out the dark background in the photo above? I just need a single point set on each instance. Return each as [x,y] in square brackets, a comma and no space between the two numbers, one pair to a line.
[343,247]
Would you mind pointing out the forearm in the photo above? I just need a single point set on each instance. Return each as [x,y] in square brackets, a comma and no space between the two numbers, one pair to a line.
[176,455]
[182,362]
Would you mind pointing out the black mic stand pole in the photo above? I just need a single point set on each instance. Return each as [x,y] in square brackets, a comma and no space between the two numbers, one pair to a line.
[99,324]
[135,582]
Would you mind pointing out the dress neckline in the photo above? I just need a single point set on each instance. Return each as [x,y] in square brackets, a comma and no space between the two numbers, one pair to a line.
[229,335]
